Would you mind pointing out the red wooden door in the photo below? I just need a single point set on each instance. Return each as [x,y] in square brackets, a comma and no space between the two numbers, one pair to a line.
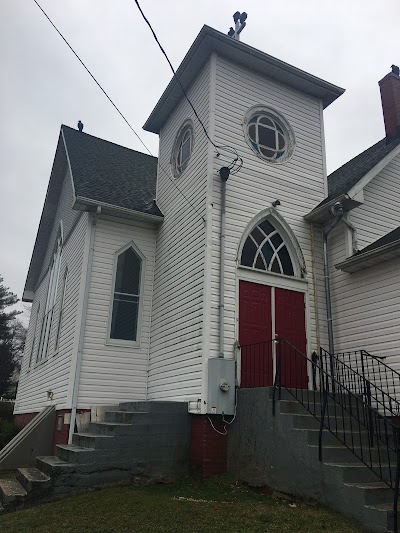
[255,326]
[290,324]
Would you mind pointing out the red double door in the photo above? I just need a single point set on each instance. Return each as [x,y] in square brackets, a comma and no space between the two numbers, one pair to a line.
[264,313]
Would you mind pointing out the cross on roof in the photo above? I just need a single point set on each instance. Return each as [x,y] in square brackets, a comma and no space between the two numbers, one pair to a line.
[240,23]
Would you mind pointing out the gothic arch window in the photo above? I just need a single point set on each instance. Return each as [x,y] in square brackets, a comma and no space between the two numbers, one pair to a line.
[265,249]
[51,297]
[126,295]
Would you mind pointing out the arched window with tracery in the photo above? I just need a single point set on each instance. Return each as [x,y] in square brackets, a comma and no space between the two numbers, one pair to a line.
[265,249]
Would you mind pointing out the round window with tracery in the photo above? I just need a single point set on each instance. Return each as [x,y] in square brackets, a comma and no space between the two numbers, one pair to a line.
[269,135]
[182,149]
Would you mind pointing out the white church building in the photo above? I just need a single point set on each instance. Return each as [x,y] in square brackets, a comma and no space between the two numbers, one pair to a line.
[150,276]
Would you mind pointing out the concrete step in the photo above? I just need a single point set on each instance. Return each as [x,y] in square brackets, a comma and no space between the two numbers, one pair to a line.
[359,472]
[155,407]
[329,438]
[308,421]
[125,417]
[51,465]
[331,410]
[373,493]
[11,492]
[304,395]
[380,516]
[71,453]
[33,479]
[341,454]
[92,440]
[110,428]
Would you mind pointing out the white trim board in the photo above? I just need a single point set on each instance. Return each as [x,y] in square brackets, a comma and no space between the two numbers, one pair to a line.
[271,279]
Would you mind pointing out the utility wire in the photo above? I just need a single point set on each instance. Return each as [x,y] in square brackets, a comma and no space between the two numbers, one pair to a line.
[90,74]
[117,109]
[218,148]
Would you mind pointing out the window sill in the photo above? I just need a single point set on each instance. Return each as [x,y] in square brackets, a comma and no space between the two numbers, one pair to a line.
[40,363]
[122,343]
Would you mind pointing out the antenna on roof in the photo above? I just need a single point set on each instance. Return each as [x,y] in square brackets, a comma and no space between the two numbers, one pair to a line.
[240,23]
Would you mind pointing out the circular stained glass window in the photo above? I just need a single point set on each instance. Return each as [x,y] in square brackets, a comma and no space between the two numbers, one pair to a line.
[183,148]
[269,135]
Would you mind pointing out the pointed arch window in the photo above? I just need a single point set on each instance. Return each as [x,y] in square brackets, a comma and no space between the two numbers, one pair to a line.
[265,249]
[126,296]
[50,300]
[61,310]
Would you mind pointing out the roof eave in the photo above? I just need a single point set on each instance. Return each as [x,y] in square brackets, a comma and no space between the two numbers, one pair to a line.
[323,213]
[46,219]
[371,258]
[209,40]
[89,204]
[27,296]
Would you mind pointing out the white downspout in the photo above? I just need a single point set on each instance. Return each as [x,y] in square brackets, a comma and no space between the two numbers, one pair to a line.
[353,229]
[77,374]
[224,174]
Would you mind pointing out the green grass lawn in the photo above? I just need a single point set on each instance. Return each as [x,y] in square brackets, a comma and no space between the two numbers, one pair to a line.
[188,506]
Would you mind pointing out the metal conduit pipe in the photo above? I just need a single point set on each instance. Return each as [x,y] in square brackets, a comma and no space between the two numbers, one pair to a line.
[224,175]
[353,229]
[337,210]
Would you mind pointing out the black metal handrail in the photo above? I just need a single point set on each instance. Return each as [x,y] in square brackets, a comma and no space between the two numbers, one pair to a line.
[343,400]
[368,375]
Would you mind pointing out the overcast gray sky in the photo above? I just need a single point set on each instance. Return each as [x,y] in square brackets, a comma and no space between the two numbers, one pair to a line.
[350,43]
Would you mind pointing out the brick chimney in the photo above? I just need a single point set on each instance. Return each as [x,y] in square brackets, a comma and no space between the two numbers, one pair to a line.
[390,96]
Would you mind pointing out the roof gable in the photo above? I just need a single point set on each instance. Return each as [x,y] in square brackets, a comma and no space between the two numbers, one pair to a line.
[102,173]
[347,182]
[342,180]
[57,176]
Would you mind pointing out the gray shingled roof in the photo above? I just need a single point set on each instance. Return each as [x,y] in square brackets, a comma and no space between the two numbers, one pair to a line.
[102,172]
[389,238]
[106,172]
[344,178]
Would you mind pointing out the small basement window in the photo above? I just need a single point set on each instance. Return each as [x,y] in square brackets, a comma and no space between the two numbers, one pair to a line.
[126,297]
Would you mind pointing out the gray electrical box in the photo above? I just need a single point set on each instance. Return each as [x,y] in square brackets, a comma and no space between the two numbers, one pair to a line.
[221,386]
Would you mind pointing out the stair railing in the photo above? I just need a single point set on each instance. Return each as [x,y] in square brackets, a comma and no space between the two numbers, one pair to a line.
[367,374]
[360,413]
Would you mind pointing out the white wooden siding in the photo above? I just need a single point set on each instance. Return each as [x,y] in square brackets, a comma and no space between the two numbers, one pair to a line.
[53,372]
[175,367]
[66,214]
[111,373]
[366,305]
[379,214]
[297,183]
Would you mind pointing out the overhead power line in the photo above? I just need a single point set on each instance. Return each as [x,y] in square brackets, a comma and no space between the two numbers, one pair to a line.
[117,109]
[90,74]
[229,149]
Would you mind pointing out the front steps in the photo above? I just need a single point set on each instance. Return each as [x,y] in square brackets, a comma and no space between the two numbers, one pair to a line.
[282,452]
[149,440]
